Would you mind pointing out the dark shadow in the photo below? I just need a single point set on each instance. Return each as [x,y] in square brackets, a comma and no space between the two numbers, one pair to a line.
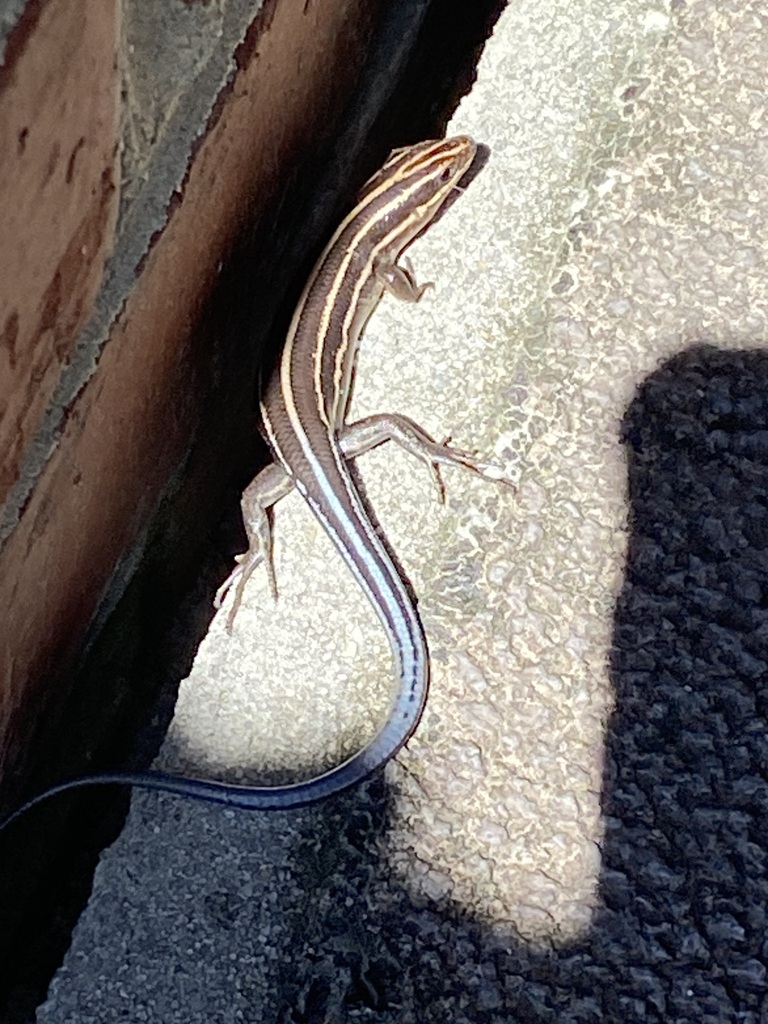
[681,935]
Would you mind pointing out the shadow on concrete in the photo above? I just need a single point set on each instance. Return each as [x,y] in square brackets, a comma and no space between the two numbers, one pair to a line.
[681,935]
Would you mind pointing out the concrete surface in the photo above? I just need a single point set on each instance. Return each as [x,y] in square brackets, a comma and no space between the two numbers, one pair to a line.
[621,218]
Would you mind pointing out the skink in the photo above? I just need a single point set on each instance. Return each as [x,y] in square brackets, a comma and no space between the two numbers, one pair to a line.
[304,410]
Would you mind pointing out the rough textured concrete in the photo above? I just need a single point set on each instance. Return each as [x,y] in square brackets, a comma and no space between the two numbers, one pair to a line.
[621,219]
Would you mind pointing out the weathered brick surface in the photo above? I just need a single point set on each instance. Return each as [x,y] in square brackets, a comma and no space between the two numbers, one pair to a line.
[132,423]
[59,94]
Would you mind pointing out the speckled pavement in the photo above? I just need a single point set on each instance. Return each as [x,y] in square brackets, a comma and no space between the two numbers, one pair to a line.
[621,220]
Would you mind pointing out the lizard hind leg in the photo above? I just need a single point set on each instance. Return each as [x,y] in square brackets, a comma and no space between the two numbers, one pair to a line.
[259,496]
